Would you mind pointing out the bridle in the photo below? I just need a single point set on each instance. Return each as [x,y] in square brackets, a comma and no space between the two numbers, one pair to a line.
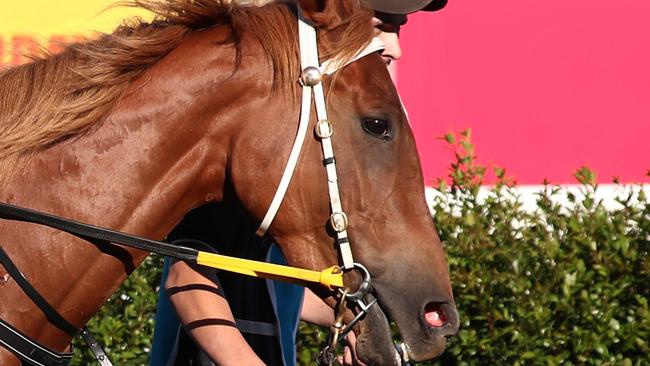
[311,81]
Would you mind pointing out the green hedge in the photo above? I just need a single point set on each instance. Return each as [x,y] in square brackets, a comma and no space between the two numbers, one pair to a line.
[561,285]
[124,326]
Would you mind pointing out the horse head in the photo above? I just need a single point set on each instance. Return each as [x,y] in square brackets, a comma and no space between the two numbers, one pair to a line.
[381,184]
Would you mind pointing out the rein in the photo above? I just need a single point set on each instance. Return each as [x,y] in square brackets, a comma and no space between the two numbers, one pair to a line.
[330,277]
[34,353]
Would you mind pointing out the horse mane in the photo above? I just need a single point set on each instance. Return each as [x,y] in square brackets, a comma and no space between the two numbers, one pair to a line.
[58,97]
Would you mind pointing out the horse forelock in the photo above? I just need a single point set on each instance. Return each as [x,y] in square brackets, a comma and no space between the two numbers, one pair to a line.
[57,97]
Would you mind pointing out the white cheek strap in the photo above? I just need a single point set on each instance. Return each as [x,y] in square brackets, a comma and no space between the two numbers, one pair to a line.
[311,79]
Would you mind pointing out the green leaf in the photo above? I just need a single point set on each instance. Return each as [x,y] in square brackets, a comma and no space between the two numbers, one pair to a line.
[529,355]
[450,138]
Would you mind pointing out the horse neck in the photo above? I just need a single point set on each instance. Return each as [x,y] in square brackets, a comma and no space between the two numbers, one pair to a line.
[163,151]
[159,154]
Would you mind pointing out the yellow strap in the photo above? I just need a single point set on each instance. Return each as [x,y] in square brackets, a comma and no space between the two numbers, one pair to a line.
[331,277]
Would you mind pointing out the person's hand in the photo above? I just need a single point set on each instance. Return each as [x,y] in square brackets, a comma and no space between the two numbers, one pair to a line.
[349,356]
[316,311]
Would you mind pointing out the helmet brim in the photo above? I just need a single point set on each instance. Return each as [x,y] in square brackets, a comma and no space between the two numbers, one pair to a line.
[406,6]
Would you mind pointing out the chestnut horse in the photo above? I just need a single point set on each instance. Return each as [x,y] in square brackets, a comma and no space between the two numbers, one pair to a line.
[133,130]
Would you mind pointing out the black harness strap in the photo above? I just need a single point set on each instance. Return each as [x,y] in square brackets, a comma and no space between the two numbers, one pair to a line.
[51,314]
[29,351]
[95,348]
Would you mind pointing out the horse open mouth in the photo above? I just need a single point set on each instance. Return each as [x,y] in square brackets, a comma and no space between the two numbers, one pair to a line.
[423,339]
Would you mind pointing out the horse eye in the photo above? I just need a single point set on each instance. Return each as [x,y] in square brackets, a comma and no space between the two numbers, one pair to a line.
[376,127]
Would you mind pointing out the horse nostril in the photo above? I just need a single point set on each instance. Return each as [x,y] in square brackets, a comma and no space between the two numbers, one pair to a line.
[435,315]
[441,317]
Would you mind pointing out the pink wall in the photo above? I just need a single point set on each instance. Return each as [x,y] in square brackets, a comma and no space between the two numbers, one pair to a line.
[546,86]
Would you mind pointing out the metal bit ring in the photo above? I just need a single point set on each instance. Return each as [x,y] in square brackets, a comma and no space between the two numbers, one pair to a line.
[366,283]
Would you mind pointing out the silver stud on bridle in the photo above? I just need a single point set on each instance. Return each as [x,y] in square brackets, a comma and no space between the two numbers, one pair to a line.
[310,76]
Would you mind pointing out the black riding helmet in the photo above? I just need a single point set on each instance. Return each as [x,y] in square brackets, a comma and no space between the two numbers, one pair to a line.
[406,6]
[392,13]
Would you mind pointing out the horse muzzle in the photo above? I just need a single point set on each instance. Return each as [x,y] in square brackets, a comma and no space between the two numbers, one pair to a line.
[424,337]
[439,320]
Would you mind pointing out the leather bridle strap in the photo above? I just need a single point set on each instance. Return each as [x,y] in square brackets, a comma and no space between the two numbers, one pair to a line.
[291,162]
[52,315]
[28,350]
[311,82]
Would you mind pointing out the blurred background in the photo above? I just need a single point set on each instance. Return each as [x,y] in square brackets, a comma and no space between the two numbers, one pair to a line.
[546,86]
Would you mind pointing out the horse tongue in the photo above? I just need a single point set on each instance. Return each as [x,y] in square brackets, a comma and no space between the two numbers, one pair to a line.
[434,315]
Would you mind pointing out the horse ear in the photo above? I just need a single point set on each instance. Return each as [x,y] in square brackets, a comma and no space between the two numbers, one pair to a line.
[323,13]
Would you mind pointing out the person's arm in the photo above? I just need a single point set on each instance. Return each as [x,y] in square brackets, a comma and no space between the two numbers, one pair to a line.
[206,315]
[316,311]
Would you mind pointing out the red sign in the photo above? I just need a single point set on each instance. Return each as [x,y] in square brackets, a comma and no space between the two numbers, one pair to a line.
[545,86]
